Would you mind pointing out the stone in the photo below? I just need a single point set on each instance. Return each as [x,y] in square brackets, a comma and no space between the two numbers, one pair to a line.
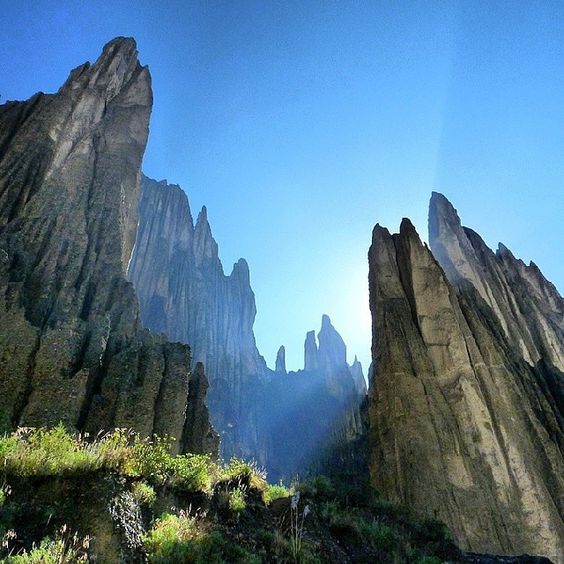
[463,427]
[72,347]
[280,365]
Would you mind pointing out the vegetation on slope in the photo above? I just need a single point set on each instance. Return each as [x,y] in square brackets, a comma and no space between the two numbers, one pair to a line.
[65,498]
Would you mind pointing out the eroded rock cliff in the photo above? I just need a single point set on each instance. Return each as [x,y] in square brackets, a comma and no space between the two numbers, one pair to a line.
[184,293]
[279,419]
[72,348]
[466,422]
[314,414]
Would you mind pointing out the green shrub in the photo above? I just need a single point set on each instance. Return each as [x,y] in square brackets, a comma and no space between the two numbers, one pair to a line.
[319,487]
[378,535]
[41,452]
[65,549]
[194,472]
[275,491]
[244,472]
[180,538]
[143,493]
[237,500]
[428,560]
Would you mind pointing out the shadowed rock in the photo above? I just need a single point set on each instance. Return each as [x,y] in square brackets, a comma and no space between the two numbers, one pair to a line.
[462,427]
[281,360]
[71,344]
[184,293]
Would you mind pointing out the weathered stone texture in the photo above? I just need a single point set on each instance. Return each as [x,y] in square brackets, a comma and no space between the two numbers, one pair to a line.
[463,428]
[185,294]
[71,344]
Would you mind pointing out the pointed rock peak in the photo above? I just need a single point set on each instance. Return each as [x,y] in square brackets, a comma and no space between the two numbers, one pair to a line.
[379,232]
[406,227]
[205,246]
[203,216]
[440,202]
[202,223]
[503,251]
[358,377]
[241,271]
[113,70]
[281,360]
[332,349]
[122,47]
[442,216]
[310,352]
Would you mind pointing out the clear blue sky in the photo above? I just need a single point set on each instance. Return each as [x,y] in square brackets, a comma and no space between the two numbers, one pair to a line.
[300,124]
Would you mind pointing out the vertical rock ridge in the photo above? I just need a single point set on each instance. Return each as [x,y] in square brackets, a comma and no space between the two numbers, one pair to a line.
[528,307]
[462,428]
[184,293]
[281,360]
[71,345]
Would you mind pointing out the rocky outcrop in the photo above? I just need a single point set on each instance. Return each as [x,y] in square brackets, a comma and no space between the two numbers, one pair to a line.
[184,293]
[466,423]
[528,307]
[280,365]
[72,348]
[315,412]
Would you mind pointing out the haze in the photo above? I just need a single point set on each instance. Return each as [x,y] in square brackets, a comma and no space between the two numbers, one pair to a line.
[301,124]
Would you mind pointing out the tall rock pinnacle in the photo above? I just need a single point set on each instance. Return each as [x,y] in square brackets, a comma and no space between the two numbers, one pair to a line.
[281,360]
[311,361]
[71,346]
[464,429]
[528,307]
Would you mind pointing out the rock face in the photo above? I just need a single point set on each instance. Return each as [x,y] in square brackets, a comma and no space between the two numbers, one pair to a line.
[314,412]
[466,404]
[280,365]
[275,418]
[184,293]
[72,347]
[528,307]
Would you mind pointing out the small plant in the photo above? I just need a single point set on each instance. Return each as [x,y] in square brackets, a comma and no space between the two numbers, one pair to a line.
[67,548]
[244,472]
[297,525]
[143,493]
[237,500]
[169,539]
[275,491]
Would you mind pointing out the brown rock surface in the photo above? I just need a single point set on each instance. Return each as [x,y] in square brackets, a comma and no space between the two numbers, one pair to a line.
[71,343]
[462,427]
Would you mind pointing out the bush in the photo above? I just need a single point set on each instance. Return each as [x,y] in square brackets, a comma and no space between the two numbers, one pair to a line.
[65,549]
[320,487]
[40,452]
[246,473]
[237,500]
[143,493]
[275,491]
[180,538]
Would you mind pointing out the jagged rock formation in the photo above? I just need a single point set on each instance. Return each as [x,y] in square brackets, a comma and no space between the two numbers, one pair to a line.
[313,412]
[465,405]
[72,347]
[184,293]
[280,365]
[528,307]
